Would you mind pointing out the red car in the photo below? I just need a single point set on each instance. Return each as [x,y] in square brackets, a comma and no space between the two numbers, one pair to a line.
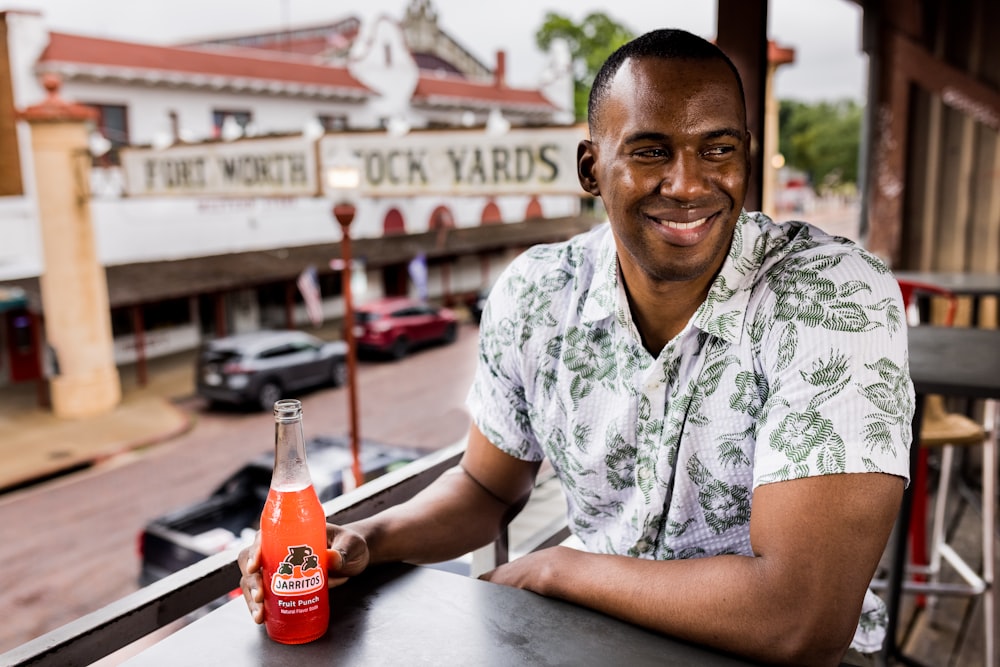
[395,325]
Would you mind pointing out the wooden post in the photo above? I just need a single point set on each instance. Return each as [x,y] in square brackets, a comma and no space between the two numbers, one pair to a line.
[742,34]
[140,345]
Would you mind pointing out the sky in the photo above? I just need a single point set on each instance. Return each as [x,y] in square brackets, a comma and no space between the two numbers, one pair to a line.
[825,34]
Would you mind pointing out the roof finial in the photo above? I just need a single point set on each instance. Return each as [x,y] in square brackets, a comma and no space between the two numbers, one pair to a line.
[51,81]
[54,108]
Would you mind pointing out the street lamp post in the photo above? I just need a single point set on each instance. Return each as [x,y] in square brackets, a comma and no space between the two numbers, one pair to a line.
[344,213]
[347,179]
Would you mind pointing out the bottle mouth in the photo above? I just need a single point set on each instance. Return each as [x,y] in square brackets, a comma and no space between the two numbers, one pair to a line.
[287,409]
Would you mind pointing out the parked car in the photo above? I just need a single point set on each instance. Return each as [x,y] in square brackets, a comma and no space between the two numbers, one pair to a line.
[230,516]
[395,325]
[261,367]
[478,303]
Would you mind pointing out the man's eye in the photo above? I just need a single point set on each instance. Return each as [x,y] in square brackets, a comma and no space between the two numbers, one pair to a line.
[719,151]
[651,153]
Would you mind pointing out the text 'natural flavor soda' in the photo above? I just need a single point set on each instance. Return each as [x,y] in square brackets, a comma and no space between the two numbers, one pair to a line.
[293,539]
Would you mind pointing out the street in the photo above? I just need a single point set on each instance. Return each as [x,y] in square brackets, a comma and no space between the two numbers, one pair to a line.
[70,544]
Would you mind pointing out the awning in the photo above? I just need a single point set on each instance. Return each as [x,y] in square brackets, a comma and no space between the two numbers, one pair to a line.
[149,282]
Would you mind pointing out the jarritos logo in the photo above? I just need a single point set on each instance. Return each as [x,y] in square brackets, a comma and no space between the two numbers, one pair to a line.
[299,573]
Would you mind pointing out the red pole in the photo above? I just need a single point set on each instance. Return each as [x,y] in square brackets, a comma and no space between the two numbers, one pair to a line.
[344,213]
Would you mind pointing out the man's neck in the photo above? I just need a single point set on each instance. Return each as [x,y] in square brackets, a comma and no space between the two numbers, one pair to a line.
[662,310]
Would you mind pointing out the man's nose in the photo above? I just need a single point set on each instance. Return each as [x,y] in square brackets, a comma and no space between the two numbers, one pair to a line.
[684,179]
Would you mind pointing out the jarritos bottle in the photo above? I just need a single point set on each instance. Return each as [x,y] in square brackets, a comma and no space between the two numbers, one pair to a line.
[293,539]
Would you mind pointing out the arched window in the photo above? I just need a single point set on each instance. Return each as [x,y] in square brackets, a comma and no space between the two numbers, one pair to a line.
[534,210]
[441,218]
[393,223]
[491,214]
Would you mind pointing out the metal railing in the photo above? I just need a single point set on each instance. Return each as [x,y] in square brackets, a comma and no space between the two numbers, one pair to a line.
[149,609]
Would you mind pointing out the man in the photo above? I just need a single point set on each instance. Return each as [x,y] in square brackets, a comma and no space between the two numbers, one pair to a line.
[726,401]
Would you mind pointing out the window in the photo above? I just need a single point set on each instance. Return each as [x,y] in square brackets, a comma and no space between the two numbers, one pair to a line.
[242,119]
[112,123]
[167,314]
[278,351]
[330,284]
[337,123]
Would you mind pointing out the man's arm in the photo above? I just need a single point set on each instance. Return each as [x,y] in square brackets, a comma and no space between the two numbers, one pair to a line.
[462,510]
[817,542]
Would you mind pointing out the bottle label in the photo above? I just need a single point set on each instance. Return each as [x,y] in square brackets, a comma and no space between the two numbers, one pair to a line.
[299,573]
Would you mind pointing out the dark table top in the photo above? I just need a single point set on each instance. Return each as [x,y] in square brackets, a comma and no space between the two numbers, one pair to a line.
[961,283]
[405,615]
[955,361]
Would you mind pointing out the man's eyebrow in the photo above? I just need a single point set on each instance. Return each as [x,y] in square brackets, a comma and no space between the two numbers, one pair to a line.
[646,136]
[726,132]
[663,137]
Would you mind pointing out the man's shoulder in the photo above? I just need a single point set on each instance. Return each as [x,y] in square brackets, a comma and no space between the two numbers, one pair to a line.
[579,252]
[796,245]
[543,289]
[556,265]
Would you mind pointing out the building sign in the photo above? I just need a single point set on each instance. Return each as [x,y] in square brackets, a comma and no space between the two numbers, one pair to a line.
[536,161]
[459,162]
[250,168]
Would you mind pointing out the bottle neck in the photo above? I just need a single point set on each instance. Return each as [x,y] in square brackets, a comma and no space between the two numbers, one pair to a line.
[290,469]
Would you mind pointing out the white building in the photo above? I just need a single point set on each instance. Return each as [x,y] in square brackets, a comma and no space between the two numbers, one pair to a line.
[183,263]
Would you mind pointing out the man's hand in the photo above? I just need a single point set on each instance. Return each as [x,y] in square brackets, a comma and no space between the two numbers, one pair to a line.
[534,571]
[346,556]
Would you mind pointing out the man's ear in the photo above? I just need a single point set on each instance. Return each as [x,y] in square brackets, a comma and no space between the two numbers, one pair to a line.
[585,160]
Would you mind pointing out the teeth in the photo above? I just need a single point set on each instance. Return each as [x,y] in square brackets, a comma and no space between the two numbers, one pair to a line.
[684,225]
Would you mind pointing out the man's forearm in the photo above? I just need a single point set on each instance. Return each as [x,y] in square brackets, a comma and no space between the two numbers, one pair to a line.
[796,600]
[449,518]
[735,603]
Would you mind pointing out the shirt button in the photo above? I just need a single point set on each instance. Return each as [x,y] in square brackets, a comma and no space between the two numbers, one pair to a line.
[642,546]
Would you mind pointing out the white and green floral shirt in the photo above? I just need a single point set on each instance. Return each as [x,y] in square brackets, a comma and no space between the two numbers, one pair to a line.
[794,366]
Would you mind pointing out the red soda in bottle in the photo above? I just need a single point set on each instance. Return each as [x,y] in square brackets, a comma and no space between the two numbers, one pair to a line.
[293,539]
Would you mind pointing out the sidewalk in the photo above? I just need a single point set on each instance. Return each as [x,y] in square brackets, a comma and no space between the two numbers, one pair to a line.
[35,444]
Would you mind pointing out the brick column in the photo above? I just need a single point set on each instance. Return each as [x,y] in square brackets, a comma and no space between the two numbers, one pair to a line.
[74,285]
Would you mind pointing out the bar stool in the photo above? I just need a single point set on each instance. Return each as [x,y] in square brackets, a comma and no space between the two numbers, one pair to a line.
[948,431]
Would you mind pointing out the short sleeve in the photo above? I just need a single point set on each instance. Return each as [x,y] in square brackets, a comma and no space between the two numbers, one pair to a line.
[834,355]
[497,399]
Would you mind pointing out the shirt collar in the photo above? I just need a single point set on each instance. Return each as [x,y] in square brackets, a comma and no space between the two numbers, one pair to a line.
[725,308]
[603,300]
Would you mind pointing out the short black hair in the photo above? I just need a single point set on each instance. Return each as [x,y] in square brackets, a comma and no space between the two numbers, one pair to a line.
[663,43]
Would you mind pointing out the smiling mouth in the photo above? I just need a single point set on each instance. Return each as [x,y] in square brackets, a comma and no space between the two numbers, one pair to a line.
[670,224]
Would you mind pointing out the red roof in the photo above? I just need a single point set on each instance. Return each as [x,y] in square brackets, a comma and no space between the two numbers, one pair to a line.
[182,64]
[105,54]
[437,90]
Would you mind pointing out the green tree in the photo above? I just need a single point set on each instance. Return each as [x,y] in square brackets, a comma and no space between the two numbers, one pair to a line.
[590,43]
[822,139]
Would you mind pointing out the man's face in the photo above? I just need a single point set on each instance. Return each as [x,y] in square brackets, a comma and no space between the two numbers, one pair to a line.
[670,159]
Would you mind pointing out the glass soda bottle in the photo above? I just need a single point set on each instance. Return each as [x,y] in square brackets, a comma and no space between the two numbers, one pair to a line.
[293,539]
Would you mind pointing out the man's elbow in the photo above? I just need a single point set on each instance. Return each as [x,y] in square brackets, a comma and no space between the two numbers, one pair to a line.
[820,640]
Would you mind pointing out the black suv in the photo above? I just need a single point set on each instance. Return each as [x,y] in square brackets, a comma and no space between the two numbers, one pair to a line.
[260,367]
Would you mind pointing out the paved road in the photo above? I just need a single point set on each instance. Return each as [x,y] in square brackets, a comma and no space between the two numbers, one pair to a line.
[69,546]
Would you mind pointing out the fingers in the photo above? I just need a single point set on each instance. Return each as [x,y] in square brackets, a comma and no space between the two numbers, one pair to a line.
[347,556]
[251,582]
